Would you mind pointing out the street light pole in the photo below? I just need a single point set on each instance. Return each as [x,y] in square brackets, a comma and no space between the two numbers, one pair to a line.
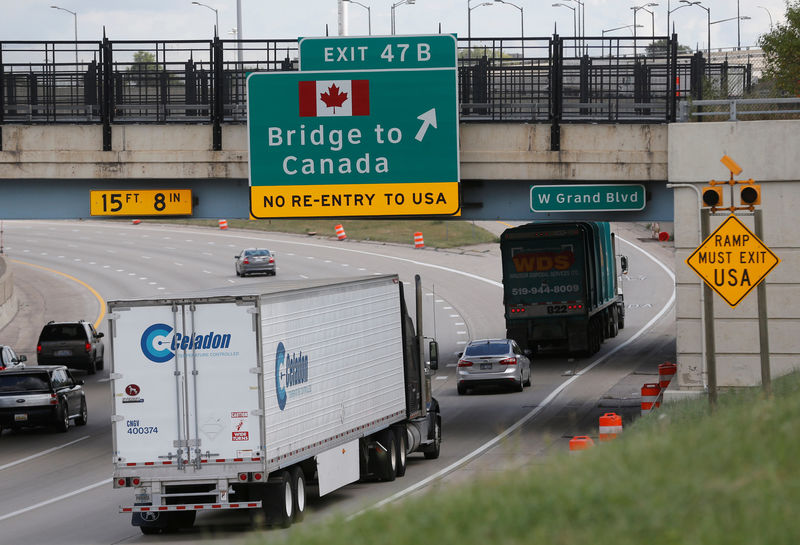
[768,13]
[369,14]
[75,18]
[635,10]
[574,29]
[400,3]
[469,17]
[708,13]
[740,18]
[521,21]
[216,16]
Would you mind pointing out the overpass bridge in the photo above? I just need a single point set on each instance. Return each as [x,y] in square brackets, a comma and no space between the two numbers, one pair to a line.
[538,111]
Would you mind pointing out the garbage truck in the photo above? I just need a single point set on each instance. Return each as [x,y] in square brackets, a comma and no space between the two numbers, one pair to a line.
[562,285]
[251,397]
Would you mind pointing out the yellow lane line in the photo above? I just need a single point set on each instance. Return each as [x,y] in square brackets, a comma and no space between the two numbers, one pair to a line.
[81,282]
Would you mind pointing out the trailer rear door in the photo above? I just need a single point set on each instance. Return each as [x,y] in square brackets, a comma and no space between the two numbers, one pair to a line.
[185,383]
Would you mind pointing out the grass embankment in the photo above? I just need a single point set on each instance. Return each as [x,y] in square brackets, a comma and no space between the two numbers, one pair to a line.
[436,233]
[678,476]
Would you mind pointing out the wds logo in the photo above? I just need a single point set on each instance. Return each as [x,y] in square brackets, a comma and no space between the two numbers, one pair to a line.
[159,348]
[526,261]
[289,371]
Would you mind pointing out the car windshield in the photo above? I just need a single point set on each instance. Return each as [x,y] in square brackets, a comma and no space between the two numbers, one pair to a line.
[257,253]
[487,348]
[63,332]
[23,383]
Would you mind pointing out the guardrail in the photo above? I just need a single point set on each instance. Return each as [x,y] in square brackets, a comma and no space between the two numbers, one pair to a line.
[732,108]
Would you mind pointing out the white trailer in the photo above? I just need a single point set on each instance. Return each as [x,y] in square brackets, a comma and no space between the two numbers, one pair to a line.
[237,398]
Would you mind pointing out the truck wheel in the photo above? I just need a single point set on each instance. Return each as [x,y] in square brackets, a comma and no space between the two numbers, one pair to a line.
[432,452]
[91,369]
[62,416]
[299,493]
[401,440]
[83,418]
[621,321]
[279,500]
[389,461]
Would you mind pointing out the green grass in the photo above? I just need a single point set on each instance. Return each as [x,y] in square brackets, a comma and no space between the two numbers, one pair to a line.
[678,476]
[436,233]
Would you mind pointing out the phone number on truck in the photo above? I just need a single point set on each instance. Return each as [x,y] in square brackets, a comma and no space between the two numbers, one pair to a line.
[545,289]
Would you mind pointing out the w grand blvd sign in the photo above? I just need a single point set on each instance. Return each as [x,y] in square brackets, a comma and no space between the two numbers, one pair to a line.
[587,198]
[732,261]
[346,143]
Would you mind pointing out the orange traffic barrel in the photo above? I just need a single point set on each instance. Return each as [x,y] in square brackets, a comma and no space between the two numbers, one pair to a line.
[666,372]
[651,394]
[610,426]
[419,242]
[580,442]
[340,232]
[223,224]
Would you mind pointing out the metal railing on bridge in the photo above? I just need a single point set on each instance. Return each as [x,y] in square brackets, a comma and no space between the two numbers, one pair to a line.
[535,80]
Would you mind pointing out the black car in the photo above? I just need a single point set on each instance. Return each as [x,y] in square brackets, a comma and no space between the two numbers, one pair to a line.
[74,344]
[43,395]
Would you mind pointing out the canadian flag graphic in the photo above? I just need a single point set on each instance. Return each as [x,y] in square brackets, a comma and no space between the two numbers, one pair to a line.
[334,98]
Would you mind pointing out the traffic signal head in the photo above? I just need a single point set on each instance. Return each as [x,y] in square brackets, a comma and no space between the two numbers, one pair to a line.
[750,194]
[712,196]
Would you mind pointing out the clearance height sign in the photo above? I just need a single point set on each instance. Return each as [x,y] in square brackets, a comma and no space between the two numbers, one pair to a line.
[353,143]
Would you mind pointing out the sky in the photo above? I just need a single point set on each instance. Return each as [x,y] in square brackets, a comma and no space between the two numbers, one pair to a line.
[278,19]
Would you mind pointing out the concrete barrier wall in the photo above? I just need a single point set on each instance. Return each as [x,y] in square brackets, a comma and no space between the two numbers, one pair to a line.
[8,299]
[493,151]
[766,150]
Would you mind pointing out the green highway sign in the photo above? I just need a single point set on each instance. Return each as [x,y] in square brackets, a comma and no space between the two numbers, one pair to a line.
[378,52]
[587,198]
[362,143]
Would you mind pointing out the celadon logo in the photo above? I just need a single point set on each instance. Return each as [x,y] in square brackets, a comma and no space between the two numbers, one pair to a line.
[159,343]
[290,371]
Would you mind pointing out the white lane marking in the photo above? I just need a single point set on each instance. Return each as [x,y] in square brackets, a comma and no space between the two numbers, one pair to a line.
[146,257]
[461,332]
[452,365]
[178,264]
[441,378]
[458,323]
[207,272]
[539,408]
[440,300]
[303,276]
[44,452]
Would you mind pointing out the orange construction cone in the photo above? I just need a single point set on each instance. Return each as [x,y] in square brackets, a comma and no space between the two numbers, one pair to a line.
[580,442]
[666,372]
[651,394]
[340,232]
[610,426]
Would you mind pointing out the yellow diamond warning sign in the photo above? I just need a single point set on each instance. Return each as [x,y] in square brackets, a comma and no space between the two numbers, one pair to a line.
[732,261]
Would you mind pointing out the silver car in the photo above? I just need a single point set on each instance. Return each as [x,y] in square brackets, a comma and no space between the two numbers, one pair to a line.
[493,361]
[255,260]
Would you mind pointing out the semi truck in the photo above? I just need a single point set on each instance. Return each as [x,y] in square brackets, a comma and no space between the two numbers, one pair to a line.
[561,285]
[252,397]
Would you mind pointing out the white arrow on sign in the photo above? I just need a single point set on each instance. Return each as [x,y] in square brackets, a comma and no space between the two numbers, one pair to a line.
[428,118]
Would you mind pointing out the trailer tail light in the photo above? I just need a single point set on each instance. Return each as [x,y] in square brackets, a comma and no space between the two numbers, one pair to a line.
[465,363]
[508,361]
[258,476]
[243,477]
[517,310]
[575,307]
[124,482]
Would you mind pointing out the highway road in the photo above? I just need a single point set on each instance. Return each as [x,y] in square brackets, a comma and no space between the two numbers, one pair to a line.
[56,487]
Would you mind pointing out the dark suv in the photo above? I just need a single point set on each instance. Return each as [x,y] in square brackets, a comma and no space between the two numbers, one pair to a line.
[41,396]
[74,344]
